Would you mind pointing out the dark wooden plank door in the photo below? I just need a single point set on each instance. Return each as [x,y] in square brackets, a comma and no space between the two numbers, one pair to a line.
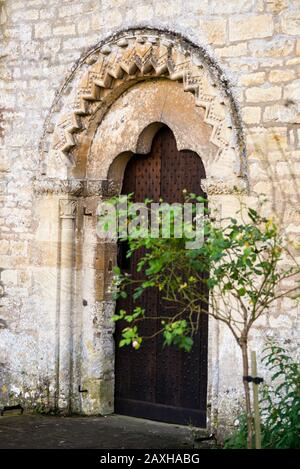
[153,382]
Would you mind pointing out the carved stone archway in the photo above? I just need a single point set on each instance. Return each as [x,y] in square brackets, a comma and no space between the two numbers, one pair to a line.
[116,65]
[69,191]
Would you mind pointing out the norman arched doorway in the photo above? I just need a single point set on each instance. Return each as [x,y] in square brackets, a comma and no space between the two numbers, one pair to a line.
[154,382]
[103,114]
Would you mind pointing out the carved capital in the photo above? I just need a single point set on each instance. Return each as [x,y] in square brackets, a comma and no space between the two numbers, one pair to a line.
[58,186]
[212,186]
[104,188]
[67,208]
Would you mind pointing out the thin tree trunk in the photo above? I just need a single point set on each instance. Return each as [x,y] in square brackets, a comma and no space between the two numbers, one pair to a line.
[244,347]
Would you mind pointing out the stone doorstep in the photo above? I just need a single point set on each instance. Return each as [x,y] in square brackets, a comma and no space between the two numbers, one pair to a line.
[25,431]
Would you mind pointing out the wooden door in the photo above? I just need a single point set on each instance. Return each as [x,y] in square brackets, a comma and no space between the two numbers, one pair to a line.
[153,382]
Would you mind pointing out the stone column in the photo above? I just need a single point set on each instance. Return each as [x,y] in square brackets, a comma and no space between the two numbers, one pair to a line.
[97,369]
[55,269]
[67,213]
[82,305]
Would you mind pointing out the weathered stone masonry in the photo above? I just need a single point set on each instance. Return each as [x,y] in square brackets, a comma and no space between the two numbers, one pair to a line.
[80,83]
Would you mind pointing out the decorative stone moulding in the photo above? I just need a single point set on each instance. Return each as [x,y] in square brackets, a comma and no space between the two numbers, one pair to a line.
[77,187]
[102,188]
[132,57]
[58,186]
[109,187]
[212,186]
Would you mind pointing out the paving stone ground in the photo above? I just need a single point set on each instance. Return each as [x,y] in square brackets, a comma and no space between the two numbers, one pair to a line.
[111,432]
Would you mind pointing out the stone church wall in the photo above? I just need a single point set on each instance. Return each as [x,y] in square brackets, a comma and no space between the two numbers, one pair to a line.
[255,44]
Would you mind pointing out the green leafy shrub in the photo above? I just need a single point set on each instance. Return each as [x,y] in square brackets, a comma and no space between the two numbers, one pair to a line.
[280,404]
[238,440]
[280,401]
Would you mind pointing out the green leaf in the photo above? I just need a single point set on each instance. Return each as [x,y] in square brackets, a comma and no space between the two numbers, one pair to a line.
[124,342]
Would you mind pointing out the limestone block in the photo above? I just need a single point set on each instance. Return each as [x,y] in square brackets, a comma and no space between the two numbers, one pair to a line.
[251,79]
[263,187]
[96,22]
[4,246]
[42,29]
[64,30]
[292,91]
[25,14]
[99,399]
[2,186]
[286,168]
[290,23]
[167,8]
[283,321]
[83,26]
[70,10]
[76,43]
[250,27]
[251,114]
[106,396]
[276,6]
[19,248]
[9,277]
[235,50]
[144,12]
[279,113]
[294,61]
[256,171]
[277,138]
[256,139]
[257,94]
[33,3]
[216,7]
[277,76]
[273,48]
[16,5]
[114,18]
[214,30]
[48,13]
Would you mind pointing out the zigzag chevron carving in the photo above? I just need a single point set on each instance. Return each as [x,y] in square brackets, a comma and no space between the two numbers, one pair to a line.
[131,59]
